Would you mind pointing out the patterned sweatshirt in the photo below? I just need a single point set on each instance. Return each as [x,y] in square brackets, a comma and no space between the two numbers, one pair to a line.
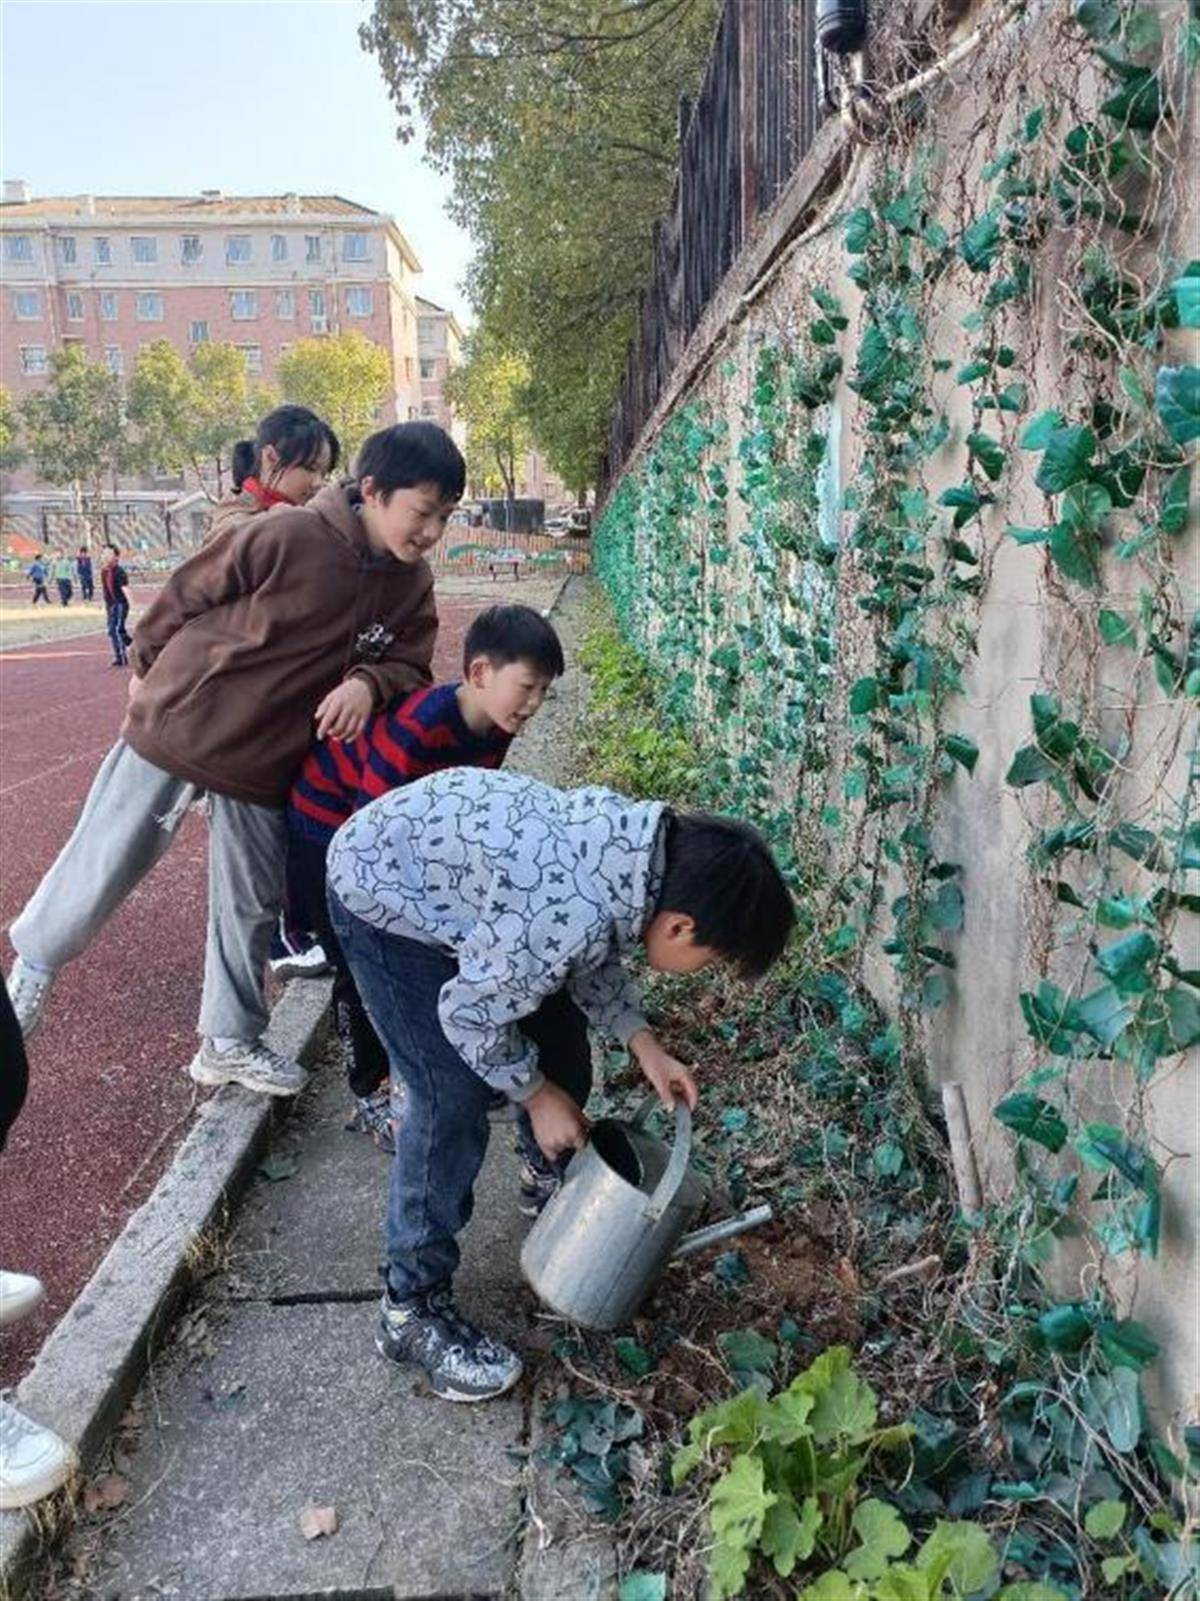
[531,889]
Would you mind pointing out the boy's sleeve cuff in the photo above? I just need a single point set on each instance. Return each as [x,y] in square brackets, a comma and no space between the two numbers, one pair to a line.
[530,1085]
[627,1024]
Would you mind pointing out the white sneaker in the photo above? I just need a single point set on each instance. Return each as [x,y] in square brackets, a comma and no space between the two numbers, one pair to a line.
[28,988]
[19,1294]
[312,963]
[253,1064]
[33,1461]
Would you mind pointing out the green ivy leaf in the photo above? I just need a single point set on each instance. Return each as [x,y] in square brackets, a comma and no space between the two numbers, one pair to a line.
[1186,290]
[988,452]
[1115,629]
[1028,536]
[1112,1401]
[1177,393]
[1103,1015]
[642,1586]
[1173,513]
[972,371]
[1127,1344]
[1034,1119]
[1102,1146]
[746,1351]
[1065,1328]
[962,750]
[1076,554]
[860,228]
[632,1357]
[1137,103]
[980,243]
[966,500]
[864,696]
[1125,962]
[1036,433]
[1098,18]
[1086,506]
[1029,766]
[1067,458]
[1183,1016]
[882,1536]
[1114,1568]
[945,911]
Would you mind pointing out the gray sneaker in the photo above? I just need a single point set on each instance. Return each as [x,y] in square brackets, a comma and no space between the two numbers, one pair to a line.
[460,1362]
[28,989]
[252,1064]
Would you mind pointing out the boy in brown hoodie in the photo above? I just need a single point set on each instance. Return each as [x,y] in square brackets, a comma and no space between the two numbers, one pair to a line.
[319,613]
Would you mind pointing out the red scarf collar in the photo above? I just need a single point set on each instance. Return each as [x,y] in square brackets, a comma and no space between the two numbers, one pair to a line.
[265,495]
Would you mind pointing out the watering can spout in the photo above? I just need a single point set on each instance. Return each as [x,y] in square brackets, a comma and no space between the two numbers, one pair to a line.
[698,1239]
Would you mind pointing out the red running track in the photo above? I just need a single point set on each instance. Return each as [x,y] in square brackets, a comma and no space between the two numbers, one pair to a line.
[108,1098]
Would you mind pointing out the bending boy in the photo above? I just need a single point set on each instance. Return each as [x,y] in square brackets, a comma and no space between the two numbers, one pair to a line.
[469,906]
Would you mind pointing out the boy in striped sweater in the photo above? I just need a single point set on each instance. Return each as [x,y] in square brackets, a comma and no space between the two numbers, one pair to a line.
[511,656]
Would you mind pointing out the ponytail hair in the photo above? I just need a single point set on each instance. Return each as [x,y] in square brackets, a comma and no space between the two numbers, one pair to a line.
[298,437]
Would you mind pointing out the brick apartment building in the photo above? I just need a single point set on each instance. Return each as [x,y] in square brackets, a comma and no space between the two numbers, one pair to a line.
[113,273]
[439,351]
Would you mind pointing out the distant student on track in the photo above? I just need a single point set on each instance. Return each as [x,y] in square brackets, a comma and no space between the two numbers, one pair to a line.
[37,573]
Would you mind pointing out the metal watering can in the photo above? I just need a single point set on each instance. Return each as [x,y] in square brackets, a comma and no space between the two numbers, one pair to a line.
[620,1216]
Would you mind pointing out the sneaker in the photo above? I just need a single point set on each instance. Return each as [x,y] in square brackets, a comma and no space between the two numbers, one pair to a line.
[252,1064]
[19,1294]
[460,1362]
[28,988]
[310,963]
[373,1115]
[33,1461]
[540,1182]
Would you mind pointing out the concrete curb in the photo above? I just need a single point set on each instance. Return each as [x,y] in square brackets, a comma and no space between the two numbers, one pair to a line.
[96,1356]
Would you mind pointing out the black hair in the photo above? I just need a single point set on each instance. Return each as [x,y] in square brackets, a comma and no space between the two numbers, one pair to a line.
[720,872]
[108,545]
[412,453]
[297,435]
[507,634]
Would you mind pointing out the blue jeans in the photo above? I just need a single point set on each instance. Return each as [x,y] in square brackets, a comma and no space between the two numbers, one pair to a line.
[115,615]
[443,1130]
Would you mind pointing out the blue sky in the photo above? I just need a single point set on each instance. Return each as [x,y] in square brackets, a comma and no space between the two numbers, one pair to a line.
[241,95]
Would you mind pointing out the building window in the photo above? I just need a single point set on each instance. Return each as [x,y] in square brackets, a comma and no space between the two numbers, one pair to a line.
[68,250]
[27,305]
[144,249]
[19,247]
[33,359]
[198,333]
[285,304]
[279,247]
[355,247]
[102,251]
[253,355]
[108,307]
[428,368]
[244,305]
[316,311]
[360,302]
[312,248]
[189,248]
[428,409]
[149,308]
[74,308]
[237,248]
[113,359]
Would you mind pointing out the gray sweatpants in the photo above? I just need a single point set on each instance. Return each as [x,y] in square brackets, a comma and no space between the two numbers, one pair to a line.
[131,815]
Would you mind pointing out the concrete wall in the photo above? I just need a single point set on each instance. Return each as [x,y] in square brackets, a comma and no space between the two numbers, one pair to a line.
[1030,634]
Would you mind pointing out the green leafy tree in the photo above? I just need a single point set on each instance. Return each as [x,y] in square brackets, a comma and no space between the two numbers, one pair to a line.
[74,427]
[488,391]
[163,405]
[227,406]
[557,121]
[345,378]
[12,452]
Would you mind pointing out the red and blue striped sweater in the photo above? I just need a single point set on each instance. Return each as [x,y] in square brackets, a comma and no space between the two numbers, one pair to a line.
[412,738]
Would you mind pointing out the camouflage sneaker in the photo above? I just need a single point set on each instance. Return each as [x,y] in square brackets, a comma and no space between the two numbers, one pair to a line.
[372,1115]
[540,1182]
[460,1362]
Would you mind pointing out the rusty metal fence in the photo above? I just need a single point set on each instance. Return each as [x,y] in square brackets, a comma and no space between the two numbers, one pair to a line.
[753,120]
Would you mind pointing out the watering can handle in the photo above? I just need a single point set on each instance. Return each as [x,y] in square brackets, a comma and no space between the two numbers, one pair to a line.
[681,1151]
